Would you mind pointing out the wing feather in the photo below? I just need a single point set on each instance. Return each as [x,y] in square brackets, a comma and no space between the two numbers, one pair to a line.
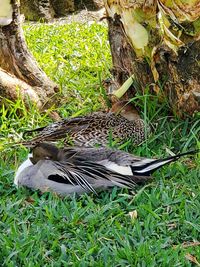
[85,174]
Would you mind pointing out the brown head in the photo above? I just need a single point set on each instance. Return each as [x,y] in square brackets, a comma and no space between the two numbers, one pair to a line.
[126,109]
[44,151]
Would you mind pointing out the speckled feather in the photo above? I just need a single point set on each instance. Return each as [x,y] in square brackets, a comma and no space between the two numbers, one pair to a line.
[93,129]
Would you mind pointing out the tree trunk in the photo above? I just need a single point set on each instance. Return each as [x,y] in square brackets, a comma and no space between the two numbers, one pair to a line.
[124,58]
[45,10]
[158,42]
[37,10]
[16,60]
[62,7]
[88,4]
[13,88]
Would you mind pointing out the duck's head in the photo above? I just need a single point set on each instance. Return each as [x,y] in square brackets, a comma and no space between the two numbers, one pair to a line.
[126,109]
[44,151]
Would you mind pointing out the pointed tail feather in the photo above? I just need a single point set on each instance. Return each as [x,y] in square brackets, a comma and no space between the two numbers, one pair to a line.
[149,167]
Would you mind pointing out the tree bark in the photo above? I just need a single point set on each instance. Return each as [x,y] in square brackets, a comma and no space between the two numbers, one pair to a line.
[160,47]
[124,59]
[62,7]
[14,88]
[88,4]
[18,61]
[45,10]
[37,10]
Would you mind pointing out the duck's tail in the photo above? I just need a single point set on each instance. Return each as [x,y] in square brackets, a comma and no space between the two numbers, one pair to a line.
[146,168]
[34,141]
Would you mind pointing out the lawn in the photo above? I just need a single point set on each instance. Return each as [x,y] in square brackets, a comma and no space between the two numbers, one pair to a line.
[45,230]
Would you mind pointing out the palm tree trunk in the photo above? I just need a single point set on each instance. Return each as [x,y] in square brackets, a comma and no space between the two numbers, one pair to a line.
[160,44]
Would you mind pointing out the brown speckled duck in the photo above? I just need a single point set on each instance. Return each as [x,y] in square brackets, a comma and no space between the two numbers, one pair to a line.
[81,169]
[121,123]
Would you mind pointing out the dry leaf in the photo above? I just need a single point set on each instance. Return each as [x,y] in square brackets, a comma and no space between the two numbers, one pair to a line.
[171,226]
[192,258]
[54,116]
[133,214]
[29,200]
[188,244]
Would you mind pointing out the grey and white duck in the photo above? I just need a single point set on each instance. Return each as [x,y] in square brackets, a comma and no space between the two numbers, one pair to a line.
[82,170]
[122,123]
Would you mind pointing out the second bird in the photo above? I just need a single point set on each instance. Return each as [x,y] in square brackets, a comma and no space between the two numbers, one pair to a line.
[121,123]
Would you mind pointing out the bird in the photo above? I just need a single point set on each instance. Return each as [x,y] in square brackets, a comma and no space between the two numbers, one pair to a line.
[121,123]
[80,170]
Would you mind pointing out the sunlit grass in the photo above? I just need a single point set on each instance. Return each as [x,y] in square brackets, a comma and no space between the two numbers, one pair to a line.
[77,57]
[45,230]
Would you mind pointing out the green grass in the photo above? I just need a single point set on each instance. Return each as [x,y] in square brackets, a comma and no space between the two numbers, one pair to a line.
[44,230]
[77,57]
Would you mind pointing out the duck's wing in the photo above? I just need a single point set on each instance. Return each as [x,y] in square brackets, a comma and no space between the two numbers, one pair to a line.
[114,161]
[87,174]
[125,163]
[101,154]
[55,176]
[58,130]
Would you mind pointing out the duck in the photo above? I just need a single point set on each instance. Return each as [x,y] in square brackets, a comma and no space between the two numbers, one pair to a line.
[79,170]
[121,123]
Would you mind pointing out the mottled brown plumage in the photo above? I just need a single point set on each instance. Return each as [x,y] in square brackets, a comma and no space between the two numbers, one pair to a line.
[121,123]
